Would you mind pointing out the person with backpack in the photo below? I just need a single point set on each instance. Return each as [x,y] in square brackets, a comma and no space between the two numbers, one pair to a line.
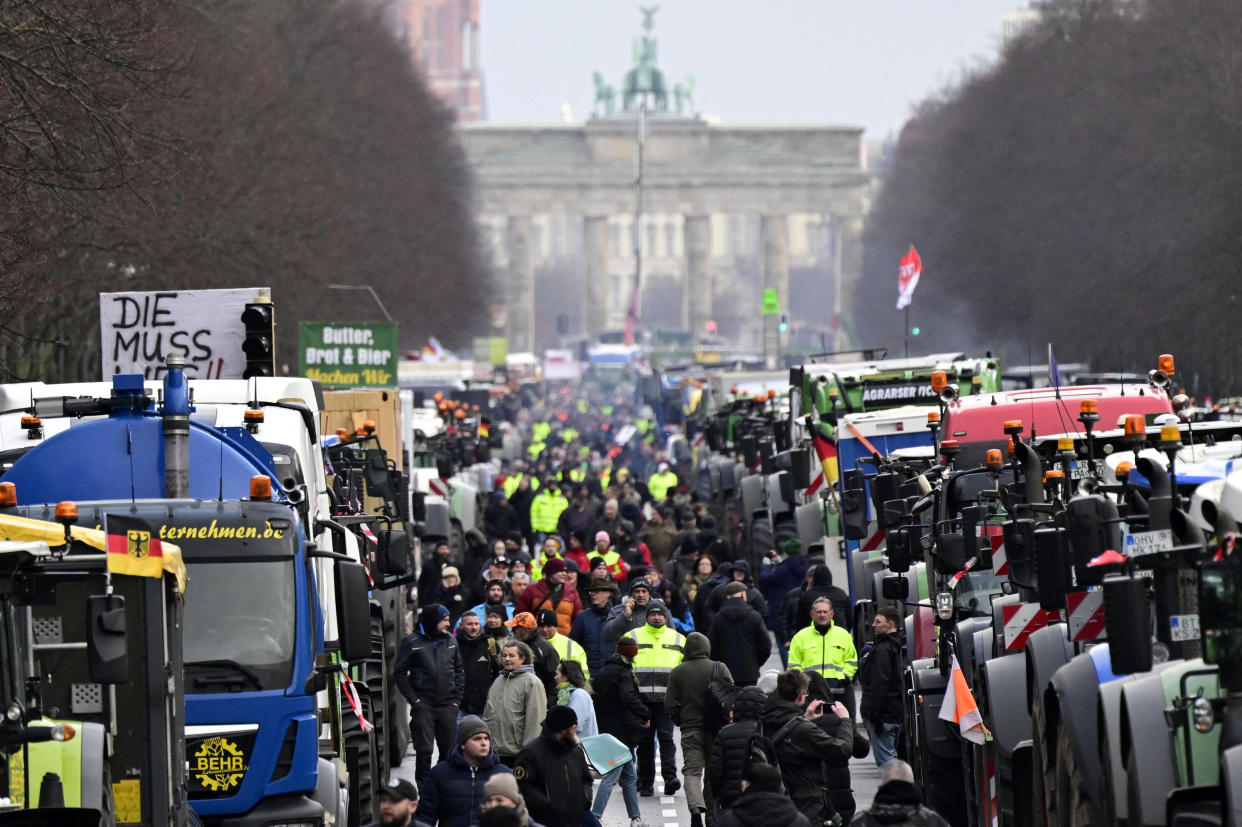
[689,690]
[802,747]
[737,745]
[762,802]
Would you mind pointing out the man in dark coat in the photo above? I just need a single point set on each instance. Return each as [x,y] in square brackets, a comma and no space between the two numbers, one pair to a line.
[898,801]
[622,713]
[588,628]
[739,574]
[431,676]
[578,517]
[452,795]
[701,610]
[684,699]
[880,675]
[821,586]
[780,577]
[802,747]
[739,636]
[499,518]
[480,668]
[762,803]
[552,772]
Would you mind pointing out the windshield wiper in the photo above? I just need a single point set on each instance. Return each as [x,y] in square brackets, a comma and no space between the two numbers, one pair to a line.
[224,678]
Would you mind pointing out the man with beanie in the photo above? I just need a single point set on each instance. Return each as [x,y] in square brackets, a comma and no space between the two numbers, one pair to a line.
[566,648]
[780,577]
[687,693]
[452,795]
[588,627]
[660,649]
[821,586]
[431,676]
[630,613]
[739,635]
[516,703]
[754,597]
[621,713]
[552,593]
[501,793]
[526,629]
[552,772]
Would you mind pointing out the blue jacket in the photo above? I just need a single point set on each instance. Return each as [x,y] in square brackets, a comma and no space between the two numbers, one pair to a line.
[780,580]
[588,631]
[452,795]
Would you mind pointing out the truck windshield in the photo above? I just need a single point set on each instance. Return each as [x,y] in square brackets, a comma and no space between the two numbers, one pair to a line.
[240,625]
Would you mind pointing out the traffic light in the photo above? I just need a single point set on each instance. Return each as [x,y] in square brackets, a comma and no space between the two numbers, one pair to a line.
[710,326]
[914,331]
[784,322]
[260,344]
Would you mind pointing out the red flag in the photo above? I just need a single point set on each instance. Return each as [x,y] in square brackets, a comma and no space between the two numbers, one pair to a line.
[133,547]
[908,277]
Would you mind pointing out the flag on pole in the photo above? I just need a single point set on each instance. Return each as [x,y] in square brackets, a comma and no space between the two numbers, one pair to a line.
[908,277]
[959,707]
[133,547]
[1054,371]
[827,453]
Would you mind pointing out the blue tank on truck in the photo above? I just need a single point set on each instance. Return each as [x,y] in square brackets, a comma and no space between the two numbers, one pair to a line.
[254,628]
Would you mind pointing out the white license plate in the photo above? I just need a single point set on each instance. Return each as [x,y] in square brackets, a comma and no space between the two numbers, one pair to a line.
[1184,627]
[1081,468]
[1149,542]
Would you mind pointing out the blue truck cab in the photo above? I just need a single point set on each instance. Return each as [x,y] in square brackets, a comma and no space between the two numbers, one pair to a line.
[255,657]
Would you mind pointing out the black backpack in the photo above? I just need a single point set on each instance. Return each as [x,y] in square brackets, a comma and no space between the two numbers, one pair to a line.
[721,693]
[760,749]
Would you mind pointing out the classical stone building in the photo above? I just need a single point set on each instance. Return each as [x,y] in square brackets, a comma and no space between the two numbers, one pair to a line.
[727,211]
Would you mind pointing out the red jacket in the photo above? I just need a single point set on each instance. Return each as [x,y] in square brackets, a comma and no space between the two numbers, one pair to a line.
[538,597]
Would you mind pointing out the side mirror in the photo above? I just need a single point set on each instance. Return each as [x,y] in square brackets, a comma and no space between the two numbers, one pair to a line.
[750,451]
[107,640]
[800,468]
[950,554]
[393,552]
[1051,567]
[1127,619]
[1093,530]
[894,587]
[854,506]
[1020,551]
[353,611]
[898,548]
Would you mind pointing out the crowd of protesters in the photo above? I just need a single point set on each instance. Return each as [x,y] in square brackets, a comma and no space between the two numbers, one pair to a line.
[602,601]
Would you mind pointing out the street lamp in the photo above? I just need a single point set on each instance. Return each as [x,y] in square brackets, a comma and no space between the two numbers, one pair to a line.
[370,290]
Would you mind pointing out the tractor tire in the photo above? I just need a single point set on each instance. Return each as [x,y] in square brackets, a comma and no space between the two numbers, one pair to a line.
[1074,807]
[1111,816]
[943,789]
[1040,804]
[361,762]
[374,672]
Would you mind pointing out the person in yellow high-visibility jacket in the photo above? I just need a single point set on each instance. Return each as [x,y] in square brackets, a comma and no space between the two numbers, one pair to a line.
[661,482]
[565,646]
[546,508]
[826,648]
[660,649]
[514,480]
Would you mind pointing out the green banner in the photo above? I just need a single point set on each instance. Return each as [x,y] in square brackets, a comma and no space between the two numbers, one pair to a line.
[348,355]
[771,302]
[493,350]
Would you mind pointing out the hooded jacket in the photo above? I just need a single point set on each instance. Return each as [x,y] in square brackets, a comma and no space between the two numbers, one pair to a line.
[588,630]
[452,794]
[687,685]
[559,598]
[554,780]
[802,753]
[620,710]
[515,708]
[899,803]
[758,809]
[741,638]
[429,667]
[728,757]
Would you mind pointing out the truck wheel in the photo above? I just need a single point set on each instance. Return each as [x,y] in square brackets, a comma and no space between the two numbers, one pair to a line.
[361,762]
[1075,807]
[375,676]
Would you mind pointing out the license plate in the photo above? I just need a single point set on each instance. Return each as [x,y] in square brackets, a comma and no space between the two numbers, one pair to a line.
[1082,468]
[1149,542]
[1184,627]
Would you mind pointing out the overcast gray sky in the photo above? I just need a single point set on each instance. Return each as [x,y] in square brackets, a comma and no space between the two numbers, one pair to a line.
[858,62]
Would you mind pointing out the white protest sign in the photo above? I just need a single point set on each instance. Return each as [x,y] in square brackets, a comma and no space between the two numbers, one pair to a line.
[139,330]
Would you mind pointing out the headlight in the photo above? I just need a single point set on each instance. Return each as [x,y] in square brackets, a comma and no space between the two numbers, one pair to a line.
[1202,714]
[944,605]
